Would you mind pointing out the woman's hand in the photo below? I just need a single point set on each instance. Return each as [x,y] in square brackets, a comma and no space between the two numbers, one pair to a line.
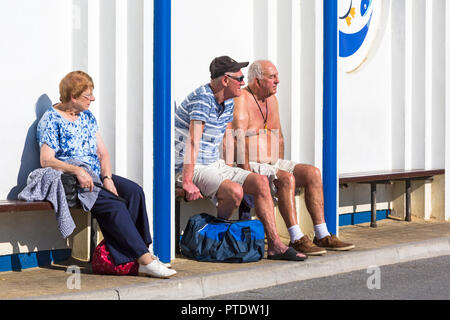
[85,179]
[109,184]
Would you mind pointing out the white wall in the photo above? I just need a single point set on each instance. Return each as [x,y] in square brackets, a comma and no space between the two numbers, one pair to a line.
[43,41]
[203,30]
[287,32]
[364,106]
[392,109]
[36,53]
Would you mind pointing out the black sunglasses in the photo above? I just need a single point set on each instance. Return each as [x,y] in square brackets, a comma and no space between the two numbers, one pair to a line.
[239,79]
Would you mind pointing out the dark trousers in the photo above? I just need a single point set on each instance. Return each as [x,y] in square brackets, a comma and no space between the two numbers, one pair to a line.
[124,227]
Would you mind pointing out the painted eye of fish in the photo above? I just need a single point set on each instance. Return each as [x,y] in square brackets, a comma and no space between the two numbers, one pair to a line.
[365,4]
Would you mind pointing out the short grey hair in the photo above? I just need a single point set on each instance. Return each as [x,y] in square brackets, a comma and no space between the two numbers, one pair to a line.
[255,71]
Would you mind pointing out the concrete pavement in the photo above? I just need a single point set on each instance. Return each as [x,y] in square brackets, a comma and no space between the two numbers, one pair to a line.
[394,241]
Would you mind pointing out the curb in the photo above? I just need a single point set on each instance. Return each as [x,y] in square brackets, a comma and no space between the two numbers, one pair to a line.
[208,285]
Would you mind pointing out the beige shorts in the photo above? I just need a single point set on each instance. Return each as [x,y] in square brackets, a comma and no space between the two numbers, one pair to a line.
[208,178]
[281,164]
[270,171]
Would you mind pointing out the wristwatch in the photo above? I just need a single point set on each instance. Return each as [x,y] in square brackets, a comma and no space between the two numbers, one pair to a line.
[106,177]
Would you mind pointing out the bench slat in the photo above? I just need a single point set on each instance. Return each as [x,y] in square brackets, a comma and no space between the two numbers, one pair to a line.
[21,206]
[387,175]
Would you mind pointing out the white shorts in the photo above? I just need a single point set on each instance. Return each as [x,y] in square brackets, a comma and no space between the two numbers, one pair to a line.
[281,164]
[270,171]
[208,178]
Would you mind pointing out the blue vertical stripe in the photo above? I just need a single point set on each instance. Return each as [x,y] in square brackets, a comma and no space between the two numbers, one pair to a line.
[162,129]
[330,181]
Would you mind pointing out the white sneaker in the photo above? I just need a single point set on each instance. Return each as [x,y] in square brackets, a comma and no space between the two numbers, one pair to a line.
[150,250]
[155,269]
[167,265]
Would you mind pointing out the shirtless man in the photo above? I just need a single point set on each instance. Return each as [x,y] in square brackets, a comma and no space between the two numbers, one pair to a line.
[257,123]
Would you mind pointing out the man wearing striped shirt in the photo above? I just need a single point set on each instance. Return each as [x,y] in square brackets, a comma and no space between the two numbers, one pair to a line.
[201,123]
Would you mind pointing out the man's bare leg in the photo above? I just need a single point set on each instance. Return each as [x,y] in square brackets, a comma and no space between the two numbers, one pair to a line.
[285,184]
[309,177]
[229,196]
[258,186]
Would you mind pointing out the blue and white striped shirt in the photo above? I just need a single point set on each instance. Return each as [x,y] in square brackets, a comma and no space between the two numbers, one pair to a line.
[202,105]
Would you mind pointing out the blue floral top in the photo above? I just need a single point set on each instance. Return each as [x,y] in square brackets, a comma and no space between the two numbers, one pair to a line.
[70,139]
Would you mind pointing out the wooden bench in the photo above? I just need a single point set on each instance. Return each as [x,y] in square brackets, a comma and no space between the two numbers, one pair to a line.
[23,206]
[12,206]
[384,177]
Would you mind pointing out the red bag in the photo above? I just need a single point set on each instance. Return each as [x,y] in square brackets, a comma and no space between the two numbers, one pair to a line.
[102,263]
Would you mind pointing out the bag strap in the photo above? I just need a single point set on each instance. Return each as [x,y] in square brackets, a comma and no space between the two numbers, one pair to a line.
[247,233]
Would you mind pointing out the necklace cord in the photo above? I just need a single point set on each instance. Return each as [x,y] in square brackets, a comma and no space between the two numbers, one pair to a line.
[259,107]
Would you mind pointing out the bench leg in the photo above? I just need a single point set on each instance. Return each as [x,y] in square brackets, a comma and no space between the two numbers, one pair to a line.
[80,238]
[408,200]
[94,239]
[244,211]
[373,205]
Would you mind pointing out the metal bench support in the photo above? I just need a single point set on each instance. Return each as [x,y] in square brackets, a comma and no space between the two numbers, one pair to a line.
[408,200]
[373,204]
[177,226]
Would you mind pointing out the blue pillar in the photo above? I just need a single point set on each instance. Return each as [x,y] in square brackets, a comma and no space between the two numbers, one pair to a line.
[162,129]
[330,177]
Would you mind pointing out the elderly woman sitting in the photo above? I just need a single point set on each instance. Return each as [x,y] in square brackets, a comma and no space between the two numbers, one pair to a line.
[68,130]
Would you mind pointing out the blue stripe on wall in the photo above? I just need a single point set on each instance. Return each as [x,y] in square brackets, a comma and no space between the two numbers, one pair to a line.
[19,261]
[329,171]
[162,130]
[360,217]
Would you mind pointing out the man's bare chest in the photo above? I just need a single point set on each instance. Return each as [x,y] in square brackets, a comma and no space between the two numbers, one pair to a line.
[260,116]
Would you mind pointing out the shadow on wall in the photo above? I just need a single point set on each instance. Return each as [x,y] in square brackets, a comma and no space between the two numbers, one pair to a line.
[356,194]
[30,154]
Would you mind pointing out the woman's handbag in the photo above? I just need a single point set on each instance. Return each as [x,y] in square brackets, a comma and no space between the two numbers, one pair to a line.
[71,186]
[207,238]
[103,263]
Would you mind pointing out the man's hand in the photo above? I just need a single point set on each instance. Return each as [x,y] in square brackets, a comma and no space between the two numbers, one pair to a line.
[109,185]
[191,190]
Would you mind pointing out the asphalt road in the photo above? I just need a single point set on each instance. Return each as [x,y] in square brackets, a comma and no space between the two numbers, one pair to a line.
[427,279]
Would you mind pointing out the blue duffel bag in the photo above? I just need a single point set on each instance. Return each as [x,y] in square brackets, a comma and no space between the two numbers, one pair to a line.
[208,238]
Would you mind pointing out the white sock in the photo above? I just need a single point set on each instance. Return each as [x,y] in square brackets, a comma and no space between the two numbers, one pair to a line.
[295,232]
[321,230]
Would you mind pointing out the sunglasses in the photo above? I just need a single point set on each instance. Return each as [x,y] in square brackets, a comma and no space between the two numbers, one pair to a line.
[239,79]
